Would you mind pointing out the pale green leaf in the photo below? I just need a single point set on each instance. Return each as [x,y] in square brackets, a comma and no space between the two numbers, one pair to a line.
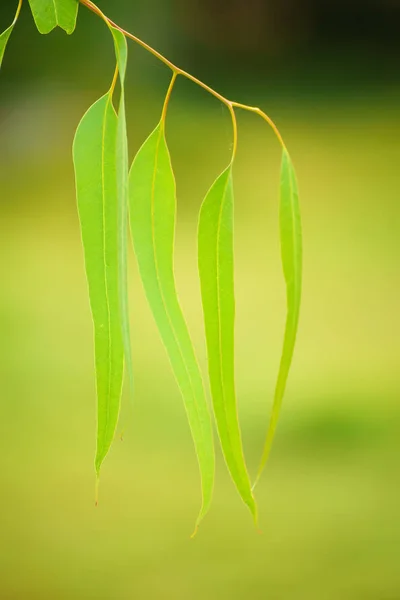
[121,51]
[96,185]
[49,14]
[5,36]
[215,256]
[152,218]
[291,250]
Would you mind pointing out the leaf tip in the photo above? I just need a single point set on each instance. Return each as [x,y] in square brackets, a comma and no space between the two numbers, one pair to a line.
[69,30]
[96,489]
[254,511]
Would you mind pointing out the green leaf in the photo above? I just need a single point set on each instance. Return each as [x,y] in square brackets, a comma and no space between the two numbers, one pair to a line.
[291,250]
[4,37]
[49,14]
[152,219]
[215,256]
[121,51]
[96,185]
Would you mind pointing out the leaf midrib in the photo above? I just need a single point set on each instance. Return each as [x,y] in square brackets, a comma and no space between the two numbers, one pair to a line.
[55,11]
[105,269]
[194,395]
[221,361]
[296,276]
[295,233]
[290,334]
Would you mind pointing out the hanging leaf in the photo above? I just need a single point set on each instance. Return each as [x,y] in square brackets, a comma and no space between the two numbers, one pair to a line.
[152,219]
[4,37]
[49,14]
[291,249]
[121,51]
[96,185]
[215,255]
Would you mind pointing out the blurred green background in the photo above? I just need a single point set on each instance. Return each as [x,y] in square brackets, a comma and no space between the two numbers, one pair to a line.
[328,74]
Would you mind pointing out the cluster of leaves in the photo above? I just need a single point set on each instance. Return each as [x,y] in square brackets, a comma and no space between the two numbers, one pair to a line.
[111,199]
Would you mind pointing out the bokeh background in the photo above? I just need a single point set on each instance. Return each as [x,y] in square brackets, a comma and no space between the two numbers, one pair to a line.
[328,73]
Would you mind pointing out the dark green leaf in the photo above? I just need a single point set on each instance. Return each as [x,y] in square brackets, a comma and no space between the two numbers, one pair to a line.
[215,254]
[4,37]
[152,218]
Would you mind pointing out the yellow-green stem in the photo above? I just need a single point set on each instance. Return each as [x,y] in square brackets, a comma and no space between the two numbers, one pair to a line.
[18,10]
[178,71]
[168,97]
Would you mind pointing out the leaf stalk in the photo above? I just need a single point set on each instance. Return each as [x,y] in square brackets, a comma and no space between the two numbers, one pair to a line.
[231,105]
[168,97]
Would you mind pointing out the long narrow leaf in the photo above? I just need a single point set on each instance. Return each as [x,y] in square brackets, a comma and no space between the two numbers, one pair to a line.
[96,185]
[152,219]
[5,36]
[291,250]
[215,256]
[49,14]
[121,51]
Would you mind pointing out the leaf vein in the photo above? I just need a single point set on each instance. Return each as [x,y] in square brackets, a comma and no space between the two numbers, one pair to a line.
[170,321]
[109,365]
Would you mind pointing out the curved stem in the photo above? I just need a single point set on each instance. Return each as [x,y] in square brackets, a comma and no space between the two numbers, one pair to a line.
[235,131]
[18,10]
[114,81]
[264,116]
[178,71]
[168,97]
[154,52]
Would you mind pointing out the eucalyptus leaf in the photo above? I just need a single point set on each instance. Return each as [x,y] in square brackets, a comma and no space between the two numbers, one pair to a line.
[291,250]
[216,269]
[97,197]
[152,218]
[121,51]
[5,36]
[49,14]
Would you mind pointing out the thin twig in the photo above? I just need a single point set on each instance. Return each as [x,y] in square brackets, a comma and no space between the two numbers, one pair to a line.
[178,71]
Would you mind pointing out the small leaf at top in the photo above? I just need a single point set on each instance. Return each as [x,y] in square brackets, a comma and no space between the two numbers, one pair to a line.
[152,218]
[215,257]
[96,186]
[49,14]
[4,37]
[291,250]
